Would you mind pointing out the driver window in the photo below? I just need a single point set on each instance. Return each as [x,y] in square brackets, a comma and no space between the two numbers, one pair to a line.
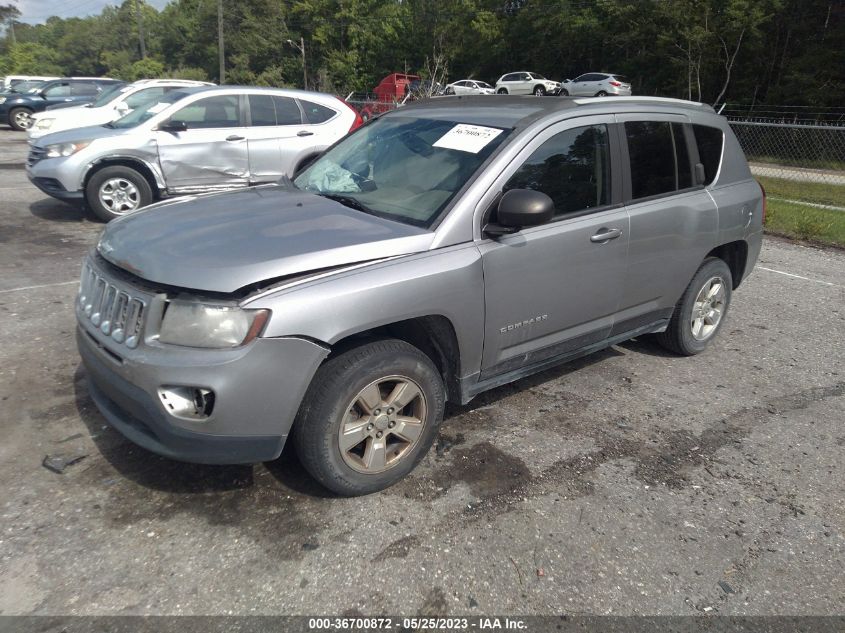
[59,90]
[214,112]
[572,168]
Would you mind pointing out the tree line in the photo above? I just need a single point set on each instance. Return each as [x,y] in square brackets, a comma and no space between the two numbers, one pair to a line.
[739,51]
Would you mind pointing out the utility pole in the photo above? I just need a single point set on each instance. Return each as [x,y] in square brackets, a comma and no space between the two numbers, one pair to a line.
[301,47]
[220,42]
[11,30]
[141,29]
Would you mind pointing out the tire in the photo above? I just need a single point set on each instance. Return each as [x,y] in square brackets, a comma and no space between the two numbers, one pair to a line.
[129,191]
[336,400]
[680,337]
[539,91]
[601,93]
[20,119]
[563,92]
[502,91]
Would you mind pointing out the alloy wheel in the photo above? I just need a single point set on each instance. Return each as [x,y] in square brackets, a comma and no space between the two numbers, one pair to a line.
[708,309]
[119,195]
[23,119]
[382,424]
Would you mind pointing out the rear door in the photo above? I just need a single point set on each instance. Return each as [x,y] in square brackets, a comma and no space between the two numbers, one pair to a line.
[275,137]
[673,219]
[212,153]
[553,289]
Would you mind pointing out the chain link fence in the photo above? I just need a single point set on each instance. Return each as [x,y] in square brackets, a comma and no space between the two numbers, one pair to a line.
[801,153]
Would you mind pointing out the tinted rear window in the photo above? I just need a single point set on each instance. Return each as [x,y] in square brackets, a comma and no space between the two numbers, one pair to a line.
[709,141]
[316,113]
[658,156]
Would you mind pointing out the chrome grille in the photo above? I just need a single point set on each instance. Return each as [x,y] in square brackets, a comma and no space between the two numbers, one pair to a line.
[111,309]
[35,154]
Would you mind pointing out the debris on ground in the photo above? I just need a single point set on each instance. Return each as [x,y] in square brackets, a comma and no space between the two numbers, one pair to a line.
[726,587]
[60,461]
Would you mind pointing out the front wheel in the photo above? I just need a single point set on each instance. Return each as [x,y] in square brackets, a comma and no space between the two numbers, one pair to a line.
[115,191]
[370,415]
[20,119]
[539,91]
[502,91]
[701,310]
[564,92]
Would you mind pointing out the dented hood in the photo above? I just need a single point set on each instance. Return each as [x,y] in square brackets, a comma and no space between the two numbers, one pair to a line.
[223,242]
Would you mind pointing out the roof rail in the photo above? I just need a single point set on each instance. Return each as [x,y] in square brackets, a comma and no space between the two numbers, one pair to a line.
[635,99]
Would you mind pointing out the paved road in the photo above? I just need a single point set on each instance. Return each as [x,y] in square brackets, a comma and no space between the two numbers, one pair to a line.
[800,174]
[630,482]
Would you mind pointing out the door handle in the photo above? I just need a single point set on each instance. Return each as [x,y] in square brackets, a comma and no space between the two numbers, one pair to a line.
[234,137]
[605,235]
[304,133]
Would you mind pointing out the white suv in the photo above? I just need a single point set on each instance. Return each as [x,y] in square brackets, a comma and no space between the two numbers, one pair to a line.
[110,105]
[597,85]
[526,83]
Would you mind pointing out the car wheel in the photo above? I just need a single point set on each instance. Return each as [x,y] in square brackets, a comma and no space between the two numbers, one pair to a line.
[701,310]
[502,91]
[601,93]
[449,91]
[539,91]
[115,191]
[20,119]
[370,415]
[564,92]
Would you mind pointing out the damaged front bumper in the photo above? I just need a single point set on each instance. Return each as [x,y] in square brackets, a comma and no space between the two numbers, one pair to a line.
[257,392]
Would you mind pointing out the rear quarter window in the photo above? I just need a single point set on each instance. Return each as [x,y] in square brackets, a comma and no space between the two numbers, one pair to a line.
[316,113]
[710,141]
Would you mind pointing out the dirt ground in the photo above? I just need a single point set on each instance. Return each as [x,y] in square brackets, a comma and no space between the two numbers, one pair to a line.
[630,482]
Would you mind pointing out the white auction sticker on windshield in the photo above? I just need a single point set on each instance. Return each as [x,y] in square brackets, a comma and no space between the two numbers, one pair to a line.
[467,138]
[158,107]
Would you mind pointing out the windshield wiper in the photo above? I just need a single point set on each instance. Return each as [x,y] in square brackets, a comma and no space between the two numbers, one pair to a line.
[348,201]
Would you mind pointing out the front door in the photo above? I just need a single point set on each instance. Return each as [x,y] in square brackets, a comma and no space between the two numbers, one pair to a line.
[552,289]
[212,153]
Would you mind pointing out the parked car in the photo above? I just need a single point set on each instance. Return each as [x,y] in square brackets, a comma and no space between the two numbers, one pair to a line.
[469,87]
[188,141]
[10,81]
[22,87]
[393,89]
[110,105]
[596,85]
[418,261]
[17,109]
[526,83]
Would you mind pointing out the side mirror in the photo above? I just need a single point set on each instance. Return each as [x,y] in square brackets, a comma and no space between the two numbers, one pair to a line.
[518,209]
[173,126]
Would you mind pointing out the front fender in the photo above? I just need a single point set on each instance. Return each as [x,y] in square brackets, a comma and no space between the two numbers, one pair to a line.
[444,282]
[147,159]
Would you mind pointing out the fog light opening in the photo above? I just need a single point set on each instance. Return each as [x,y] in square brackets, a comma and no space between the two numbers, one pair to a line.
[189,403]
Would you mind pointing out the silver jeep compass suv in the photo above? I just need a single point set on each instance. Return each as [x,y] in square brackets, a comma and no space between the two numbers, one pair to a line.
[443,249]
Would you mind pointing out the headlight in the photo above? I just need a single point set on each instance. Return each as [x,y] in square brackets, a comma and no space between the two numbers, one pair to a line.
[65,149]
[200,325]
[44,124]
[2,99]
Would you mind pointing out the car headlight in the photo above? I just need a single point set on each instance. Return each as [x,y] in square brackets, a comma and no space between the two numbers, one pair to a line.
[194,324]
[65,149]
[44,124]
[2,99]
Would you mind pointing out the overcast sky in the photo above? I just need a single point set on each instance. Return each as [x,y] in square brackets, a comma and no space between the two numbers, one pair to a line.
[35,11]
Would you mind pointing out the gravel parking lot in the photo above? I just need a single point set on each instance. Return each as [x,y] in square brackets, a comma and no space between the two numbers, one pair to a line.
[630,482]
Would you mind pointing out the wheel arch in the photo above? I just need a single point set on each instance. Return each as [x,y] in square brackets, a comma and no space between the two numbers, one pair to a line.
[139,165]
[735,255]
[434,335]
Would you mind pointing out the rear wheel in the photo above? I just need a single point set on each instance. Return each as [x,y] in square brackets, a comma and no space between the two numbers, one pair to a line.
[701,310]
[539,91]
[601,93]
[370,415]
[20,118]
[115,191]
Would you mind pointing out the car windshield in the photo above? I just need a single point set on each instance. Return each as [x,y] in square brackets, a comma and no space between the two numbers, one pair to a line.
[147,111]
[108,95]
[536,76]
[402,168]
